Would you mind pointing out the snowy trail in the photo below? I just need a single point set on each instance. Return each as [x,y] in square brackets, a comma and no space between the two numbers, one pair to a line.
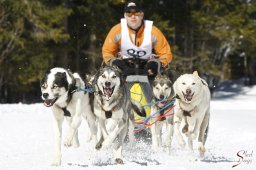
[27,141]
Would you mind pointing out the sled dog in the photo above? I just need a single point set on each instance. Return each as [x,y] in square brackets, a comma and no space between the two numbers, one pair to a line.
[112,108]
[162,93]
[60,91]
[192,110]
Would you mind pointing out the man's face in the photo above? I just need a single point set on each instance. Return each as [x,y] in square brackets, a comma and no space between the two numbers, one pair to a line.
[134,18]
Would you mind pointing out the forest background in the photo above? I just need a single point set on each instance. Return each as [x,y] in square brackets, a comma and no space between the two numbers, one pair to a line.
[215,37]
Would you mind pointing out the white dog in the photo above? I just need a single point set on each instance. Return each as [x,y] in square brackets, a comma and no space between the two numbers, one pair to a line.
[60,91]
[192,109]
[162,91]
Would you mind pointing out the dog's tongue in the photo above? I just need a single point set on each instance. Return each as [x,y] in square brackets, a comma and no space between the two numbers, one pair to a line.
[188,97]
[47,103]
[107,91]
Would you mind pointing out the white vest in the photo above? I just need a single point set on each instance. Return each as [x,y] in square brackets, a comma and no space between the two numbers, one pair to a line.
[144,50]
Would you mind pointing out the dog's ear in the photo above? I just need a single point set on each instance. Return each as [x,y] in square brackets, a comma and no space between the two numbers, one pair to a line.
[195,73]
[158,76]
[78,82]
[96,76]
[74,84]
[117,68]
[154,83]
[204,82]
[63,76]
[89,78]
[165,77]
[70,74]
[120,74]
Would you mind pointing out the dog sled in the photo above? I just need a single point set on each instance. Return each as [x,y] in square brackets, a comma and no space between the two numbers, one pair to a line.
[140,90]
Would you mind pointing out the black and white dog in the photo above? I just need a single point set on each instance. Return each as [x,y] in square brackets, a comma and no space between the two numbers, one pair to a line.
[163,97]
[60,91]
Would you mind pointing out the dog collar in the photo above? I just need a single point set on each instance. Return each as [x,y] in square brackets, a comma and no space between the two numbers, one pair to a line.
[187,113]
[66,112]
[177,96]
[99,92]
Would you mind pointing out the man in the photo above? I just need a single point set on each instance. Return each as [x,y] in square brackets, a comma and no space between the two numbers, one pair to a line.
[136,36]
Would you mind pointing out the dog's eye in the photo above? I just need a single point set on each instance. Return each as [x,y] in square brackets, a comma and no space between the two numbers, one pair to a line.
[193,83]
[114,76]
[44,86]
[165,88]
[157,88]
[103,76]
[54,86]
[184,83]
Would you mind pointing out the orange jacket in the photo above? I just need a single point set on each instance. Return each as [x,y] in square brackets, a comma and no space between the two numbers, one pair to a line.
[160,45]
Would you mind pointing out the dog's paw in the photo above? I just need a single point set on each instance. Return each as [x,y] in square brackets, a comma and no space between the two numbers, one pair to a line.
[167,149]
[98,146]
[155,148]
[68,143]
[201,148]
[168,142]
[76,143]
[201,155]
[185,129]
[181,143]
[119,161]
[93,141]
[56,162]
[106,144]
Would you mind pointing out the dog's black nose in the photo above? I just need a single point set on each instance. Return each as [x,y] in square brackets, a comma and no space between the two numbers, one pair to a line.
[107,84]
[188,91]
[45,95]
[161,97]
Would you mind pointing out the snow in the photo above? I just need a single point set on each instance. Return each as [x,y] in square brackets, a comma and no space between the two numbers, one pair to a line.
[27,140]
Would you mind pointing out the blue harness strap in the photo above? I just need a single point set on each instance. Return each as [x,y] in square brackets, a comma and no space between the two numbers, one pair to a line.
[89,90]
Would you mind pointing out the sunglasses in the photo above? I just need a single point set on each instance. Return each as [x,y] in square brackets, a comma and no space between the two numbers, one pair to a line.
[129,14]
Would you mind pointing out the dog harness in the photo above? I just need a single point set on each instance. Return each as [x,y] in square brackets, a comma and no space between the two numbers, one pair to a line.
[66,112]
[108,114]
[161,105]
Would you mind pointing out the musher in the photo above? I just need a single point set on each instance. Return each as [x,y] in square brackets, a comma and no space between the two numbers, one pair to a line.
[136,36]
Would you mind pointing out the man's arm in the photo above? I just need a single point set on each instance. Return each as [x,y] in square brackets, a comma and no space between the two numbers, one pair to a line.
[111,44]
[161,47]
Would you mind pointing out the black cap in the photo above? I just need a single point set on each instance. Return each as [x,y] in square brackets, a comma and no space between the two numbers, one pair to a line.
[132,4]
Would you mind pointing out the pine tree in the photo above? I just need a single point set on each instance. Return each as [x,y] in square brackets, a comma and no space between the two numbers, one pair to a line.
[27,29]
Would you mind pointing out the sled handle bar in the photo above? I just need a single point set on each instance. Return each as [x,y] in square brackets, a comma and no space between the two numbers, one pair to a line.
[136,58]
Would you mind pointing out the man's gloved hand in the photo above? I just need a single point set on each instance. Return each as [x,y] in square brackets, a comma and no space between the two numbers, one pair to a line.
[150,72]
[119,56]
